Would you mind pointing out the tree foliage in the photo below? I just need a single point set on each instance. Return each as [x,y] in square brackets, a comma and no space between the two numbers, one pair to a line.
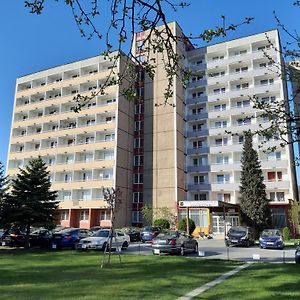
[182,225]
[162,223]
[3,183]
[129,17]
[253,198]
[31,201]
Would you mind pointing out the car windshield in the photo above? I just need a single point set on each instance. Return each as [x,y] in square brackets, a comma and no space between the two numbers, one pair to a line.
[101,233]
[270,232]
[237,230]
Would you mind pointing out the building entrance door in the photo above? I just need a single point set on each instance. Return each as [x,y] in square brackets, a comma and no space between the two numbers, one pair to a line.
[217,224]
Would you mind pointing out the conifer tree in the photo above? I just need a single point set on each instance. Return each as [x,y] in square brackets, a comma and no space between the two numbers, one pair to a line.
[3,183]
[31,202]
[254,202]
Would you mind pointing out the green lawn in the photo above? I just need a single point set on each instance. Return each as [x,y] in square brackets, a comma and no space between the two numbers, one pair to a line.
[259,281]
[75,275]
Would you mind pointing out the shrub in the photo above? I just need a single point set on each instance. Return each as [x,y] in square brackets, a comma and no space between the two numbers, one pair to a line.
[182,225]
[286,233]
[162,223]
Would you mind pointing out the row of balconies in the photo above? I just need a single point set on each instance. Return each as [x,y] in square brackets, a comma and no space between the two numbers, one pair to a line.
[62,142]
[59,109]
[234,186]
[229,74]
[228,56]
[80,194]
[67,124]
[65,76]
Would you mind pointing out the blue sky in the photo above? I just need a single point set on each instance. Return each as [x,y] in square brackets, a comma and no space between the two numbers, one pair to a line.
[29,43]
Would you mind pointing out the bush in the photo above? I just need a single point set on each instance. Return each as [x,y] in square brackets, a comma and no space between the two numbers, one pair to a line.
[182,225]
[162,223]
[286,233]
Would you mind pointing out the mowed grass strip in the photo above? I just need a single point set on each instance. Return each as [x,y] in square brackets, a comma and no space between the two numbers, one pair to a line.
[259,281]
[77,275]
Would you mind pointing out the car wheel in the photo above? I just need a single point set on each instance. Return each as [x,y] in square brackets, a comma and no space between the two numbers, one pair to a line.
[226,244]
[196,248]
[125,245]
[248,244]
[75,246]
[182,252]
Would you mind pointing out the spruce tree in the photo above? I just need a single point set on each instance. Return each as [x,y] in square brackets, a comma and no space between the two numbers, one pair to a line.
[254,202]
[3,194]
[31,201]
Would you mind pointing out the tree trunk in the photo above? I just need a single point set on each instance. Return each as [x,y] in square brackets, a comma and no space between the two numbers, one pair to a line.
[27,244]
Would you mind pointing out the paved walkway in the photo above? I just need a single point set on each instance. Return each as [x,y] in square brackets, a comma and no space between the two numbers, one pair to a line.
[212,283]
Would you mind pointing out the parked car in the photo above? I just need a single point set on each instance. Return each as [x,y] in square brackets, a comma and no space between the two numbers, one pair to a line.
[297,255]
[148,233]
[240,236]
[175,242]
[100,238]
[69,238]
[13,237]
[95,228]
[271,238]
[133,232]
[1,233]
[41,238]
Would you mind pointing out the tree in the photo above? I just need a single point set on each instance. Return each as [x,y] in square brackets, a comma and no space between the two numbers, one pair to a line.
[3,183]
[129,17]
[182,225]
[31,201]
[113,199]
[254,202]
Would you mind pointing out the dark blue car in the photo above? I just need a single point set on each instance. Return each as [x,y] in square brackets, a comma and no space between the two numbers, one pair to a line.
[271,238]
[69,238]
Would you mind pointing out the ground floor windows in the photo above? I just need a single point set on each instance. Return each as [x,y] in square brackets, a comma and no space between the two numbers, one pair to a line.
[84,215]
[136,217]
[64,216]
[278,217]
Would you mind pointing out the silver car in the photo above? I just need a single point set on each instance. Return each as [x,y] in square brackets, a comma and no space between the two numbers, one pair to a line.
[99,240]
[176,242]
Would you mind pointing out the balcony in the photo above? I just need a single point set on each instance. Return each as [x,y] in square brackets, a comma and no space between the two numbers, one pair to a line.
[197,169]
[199,116]
[196,100]
[197,133]
[199,187]
[277,185]
[191,151]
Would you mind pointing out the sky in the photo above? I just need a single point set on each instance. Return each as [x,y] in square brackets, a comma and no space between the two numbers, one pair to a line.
[29,43]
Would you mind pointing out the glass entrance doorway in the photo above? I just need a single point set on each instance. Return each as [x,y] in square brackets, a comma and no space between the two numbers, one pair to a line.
[218,222]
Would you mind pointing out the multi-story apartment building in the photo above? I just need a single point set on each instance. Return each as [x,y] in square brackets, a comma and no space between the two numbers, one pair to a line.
[178,156]
[85,151]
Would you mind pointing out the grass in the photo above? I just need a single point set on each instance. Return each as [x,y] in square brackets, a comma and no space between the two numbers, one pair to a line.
[76,275]
[259,281]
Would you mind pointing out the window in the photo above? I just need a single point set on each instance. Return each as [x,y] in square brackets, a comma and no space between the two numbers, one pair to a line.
[221,124]
[221,142]
[110,101]
[109,137]
[219,57]
[267,81]
[244,103]
[51,161]
[139,109]
[197,144]
[66,195]
[276,196]
[219,90]
[242,86]
[64,215]
[223,197]
[200,197]
[242,69]
[137,197]
[222,159]
[37,146]
[274,155]
[223,178]
[67,177]
[38,130]
[84,215]
[240,139]
[53,144]
[138,160]
[197,127]
[220,107]
[199,179]
[136,216]
[90,122]
[264,47]
[274,176]
[197,111]
[138,125]
[138,143]
[138,178]
[104,215]
[245,121]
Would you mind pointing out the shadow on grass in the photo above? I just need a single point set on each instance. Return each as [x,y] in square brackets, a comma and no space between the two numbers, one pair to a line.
[74,275]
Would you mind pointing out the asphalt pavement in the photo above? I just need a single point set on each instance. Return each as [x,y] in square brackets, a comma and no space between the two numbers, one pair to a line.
[216,249]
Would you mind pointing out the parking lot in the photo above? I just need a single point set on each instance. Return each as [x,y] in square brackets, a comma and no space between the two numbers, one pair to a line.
[216,249]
